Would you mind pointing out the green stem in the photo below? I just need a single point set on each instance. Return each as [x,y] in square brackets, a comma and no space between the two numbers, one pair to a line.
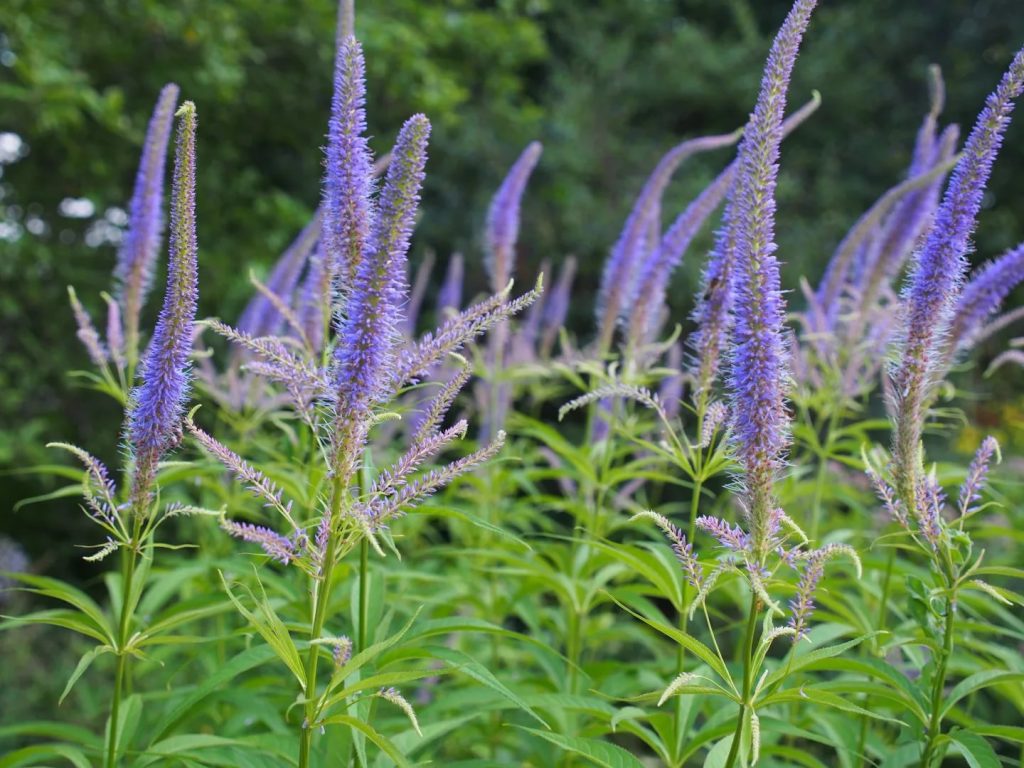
[364,594]
[683,612]
[824,450]
[321,597]
[748,654]
[128,557]
[939,683]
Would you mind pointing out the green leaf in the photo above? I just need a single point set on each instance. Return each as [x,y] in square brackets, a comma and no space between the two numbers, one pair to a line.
[474,669]
[30,756]
[719,753]
[60,493]
[1014,733]
[804,660]
[810,694]
[385,745]
[976,751]
[272,630]
[976,682]
[598,752]
[690,643]
[47,587]
[83,664]
[182,743]
[59,617]
[243,662]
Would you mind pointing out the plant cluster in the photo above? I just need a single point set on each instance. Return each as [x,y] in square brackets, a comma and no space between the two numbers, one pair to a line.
[730,549]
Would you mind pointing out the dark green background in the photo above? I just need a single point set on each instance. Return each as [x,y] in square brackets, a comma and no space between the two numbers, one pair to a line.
[606,85]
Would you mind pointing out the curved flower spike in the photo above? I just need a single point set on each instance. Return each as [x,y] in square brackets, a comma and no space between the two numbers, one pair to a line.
[137,255]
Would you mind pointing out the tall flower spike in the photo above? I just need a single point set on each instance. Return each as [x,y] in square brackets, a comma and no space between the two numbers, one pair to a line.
[758,375]
[982,296]
[622,265]
[260,317]
[348,183]
[934,283]
[137,255]
[503,218]
[154,421]
[714,303]
[364,358]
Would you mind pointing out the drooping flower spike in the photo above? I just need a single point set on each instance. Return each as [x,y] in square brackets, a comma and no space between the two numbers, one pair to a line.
[758,374]
[982,297]
[657,269]
[260,317]
[634,241]
[931,291]
[908,222]
[136,258]
[154,419]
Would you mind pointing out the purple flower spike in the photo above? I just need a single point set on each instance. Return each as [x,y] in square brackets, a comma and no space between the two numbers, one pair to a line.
[137,255]
[663,261]
[348,183]
[87,333]
[365,356]
[449,297]
[758,374]
[503,218]
[802,605]
[729,536]
[279,547]
[982,296]
[115,332]
[635,239]
[931,291]
[154,421]
[970,491]
[260,317]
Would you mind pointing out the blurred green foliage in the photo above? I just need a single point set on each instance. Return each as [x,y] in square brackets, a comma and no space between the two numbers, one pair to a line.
[607,86]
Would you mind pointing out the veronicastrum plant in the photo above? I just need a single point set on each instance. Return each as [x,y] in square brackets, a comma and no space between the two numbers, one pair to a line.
[129,516]
[339,390]
[758,640]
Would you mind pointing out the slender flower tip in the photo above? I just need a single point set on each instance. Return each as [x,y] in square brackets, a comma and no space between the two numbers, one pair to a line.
[139,248]
[159,399]
[503,216]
